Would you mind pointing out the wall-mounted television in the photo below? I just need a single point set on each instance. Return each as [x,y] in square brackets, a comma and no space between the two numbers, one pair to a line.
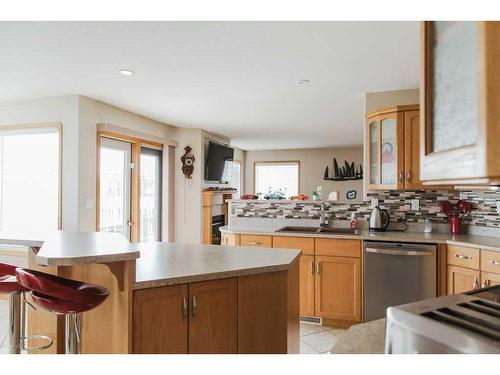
[219,162]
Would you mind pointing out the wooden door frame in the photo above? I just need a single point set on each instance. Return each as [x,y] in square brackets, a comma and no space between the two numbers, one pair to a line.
[136,144]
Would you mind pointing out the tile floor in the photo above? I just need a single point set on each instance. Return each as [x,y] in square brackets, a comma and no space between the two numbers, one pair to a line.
[316,339]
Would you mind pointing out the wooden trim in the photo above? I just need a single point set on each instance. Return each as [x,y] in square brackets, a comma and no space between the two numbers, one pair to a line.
[275,162]
[442,278]
[395,108]
[127,138]
[135,212]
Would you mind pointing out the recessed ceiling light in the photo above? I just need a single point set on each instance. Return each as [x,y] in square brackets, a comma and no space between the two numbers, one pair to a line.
[303,82]
[126,72]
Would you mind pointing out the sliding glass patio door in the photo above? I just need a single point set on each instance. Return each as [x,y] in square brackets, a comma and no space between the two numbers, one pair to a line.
[150,195]
[115,160]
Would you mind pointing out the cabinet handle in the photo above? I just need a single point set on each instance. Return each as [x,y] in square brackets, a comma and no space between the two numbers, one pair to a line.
[401,176]
[408,176]
[495,262]
[462,256]
[318,267]
[193,308]
[475,285]
[255,243]
[485,284]
[184,307]
[311,267]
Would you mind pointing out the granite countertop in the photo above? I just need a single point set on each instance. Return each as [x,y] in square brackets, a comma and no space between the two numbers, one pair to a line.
[482,242]
[68,248]
[163,263]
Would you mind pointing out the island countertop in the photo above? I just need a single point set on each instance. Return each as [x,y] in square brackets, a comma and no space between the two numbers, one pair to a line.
[163,263]
[68,248]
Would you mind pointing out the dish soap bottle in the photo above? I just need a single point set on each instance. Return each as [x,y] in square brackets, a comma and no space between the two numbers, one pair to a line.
[354,221]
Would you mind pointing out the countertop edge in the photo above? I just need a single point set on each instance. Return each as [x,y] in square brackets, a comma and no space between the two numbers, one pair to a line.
[176,280]
[81,260]
[364,237]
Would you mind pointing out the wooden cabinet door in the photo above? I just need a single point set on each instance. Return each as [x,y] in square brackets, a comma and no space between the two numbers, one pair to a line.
[462,279]
[230,239]
[373,169]
[412,150]
[489,279]
[161,320]
[338,288]
[306,285]
[213,314]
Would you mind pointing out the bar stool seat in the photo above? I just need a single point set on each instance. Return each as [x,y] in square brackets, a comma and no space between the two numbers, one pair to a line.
[63,296]
[59,295]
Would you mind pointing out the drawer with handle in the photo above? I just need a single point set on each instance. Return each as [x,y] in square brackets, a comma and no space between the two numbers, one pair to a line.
[255,240]
[490,261]
[463,256]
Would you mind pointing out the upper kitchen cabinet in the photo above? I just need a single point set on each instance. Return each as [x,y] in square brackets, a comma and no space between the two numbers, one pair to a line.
[460,96]
[393,144]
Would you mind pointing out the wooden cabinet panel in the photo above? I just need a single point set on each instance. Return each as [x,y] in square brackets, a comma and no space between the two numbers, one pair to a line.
[462,279]
[338,288]
[230,239]
[160,324]
[250,240]
[412,150]
[338,248]
[306,285]
[302,243]
[463,256]
[213,314]
[489,279]
[490,261]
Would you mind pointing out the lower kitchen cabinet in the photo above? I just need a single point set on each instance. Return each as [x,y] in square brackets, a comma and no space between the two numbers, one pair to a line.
[188,318]
[161,320]
[338,288]
[213,316]
[306,285]
[462,279]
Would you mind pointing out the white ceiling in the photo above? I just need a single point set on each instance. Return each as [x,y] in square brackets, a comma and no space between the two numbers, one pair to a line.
[238,79]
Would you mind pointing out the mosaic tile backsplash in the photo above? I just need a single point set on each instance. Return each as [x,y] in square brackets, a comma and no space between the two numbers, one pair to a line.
[398,203]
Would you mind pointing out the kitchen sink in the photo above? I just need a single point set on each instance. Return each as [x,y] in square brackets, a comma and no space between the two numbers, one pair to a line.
[317,230]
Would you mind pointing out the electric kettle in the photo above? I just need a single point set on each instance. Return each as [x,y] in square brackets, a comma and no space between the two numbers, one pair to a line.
[379,219]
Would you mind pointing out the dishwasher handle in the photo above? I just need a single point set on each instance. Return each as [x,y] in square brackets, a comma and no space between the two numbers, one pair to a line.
[399,252]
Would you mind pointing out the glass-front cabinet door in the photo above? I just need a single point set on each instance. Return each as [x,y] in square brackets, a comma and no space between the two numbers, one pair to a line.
[386,151]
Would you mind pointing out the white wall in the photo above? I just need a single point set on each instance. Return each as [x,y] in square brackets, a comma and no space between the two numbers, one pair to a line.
[92,112]
[312,167]
[62,110]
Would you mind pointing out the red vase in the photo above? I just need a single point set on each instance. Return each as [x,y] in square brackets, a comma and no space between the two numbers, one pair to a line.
[455,225]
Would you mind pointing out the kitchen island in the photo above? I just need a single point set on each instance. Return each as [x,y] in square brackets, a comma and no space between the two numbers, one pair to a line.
[172,298]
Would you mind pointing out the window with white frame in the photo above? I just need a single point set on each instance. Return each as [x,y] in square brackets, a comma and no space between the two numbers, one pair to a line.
[29,180]
[276,176]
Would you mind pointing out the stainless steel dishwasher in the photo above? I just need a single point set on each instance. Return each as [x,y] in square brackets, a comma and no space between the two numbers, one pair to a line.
[397,273]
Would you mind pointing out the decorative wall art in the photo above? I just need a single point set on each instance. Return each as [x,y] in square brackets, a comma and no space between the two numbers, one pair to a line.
[351,194]
[346,172]
[188,162]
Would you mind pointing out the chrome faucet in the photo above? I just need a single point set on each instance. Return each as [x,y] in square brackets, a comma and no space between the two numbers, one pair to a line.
[323,215]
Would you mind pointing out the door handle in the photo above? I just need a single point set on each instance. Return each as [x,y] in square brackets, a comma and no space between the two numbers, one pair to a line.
[184,307]
[408,176]
[398,252]
[255,243]
[318,268]
[485,284]
[475,285]
[311,267]
[495,262]
[401,176]
[462,256]
[194,306]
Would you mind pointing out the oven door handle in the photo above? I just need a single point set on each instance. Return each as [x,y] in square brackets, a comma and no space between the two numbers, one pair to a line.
[398,252]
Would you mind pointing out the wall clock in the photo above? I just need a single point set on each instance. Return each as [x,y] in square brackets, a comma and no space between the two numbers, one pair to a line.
[188,162]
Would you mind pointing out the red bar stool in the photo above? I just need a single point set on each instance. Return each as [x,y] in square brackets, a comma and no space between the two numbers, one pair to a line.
[65,297]
[17,306]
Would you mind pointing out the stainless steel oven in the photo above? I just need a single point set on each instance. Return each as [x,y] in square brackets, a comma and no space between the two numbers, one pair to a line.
[397,273]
